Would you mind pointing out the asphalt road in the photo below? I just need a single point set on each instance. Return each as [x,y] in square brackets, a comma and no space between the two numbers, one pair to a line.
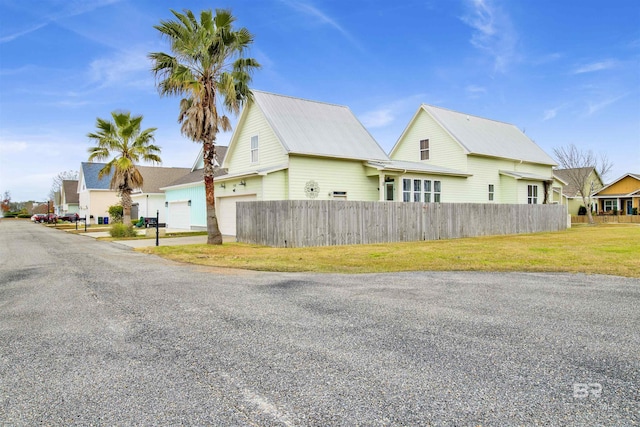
[93,333]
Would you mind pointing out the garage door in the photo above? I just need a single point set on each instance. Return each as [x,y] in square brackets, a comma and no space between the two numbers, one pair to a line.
[227,213]
[179,215]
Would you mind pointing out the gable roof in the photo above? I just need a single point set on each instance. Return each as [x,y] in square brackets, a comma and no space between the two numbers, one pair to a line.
[154,177]
[485,137]
[632,175]
[221,153]
[570,189]
[70,191]
[90,171]
[193,177]
[316,128]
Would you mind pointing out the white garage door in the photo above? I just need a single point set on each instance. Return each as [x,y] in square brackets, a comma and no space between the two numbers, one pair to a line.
[227,213]
[179,215]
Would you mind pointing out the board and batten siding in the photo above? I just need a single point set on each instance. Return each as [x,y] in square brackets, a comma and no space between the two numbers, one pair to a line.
[270,150]
[300,223]
[444,151]
[331,175]
[196,194]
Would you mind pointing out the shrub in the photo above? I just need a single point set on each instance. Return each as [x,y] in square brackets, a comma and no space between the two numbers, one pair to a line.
[115,212]
[634,211]
[24,215]
[118,229]
[582,210]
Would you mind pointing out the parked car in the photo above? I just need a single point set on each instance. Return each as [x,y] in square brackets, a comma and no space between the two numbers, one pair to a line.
[71,217]
[39,217]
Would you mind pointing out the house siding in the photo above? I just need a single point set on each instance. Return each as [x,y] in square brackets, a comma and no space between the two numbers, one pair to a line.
[350,178]
[149,205]
[194,193]
[625,186]
[443,149]
[270,151]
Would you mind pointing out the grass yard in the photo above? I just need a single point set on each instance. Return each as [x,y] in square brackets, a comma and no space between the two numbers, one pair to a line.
[601,249]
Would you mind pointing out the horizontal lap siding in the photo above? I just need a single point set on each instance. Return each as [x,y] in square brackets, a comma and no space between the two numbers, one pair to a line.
[300,223]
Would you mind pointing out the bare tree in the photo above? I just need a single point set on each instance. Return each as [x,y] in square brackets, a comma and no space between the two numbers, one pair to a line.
[57,181]
[578,165]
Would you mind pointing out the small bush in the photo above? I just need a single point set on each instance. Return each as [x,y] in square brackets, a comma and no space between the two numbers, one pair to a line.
[120,230]
[582,210]
[24,215]
[115,212]
[11,215]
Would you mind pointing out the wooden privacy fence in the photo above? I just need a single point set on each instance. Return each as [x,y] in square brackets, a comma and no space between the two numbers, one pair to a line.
[299,223]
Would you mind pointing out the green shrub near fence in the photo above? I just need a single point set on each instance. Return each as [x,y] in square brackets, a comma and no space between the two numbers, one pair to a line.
[118,229]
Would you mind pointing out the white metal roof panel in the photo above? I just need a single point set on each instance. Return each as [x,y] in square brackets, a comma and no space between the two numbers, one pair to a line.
[317,128]
[489,137]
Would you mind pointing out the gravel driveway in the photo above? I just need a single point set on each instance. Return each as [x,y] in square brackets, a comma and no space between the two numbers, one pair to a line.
[93,333]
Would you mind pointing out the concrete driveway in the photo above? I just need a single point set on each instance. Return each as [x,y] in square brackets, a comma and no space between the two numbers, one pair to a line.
[93,333]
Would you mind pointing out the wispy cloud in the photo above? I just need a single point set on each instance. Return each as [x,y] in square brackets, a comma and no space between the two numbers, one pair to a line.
[71,8]
[551,113]
[475,91]
[596,66]
[9,147]
[310,10]
[594,107]
[386,114]
[493,32]
[128,68]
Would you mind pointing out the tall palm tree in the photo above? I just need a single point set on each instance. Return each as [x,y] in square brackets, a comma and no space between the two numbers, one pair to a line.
[123,139]
[209,69]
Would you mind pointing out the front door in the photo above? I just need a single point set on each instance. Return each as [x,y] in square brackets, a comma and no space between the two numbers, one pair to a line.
[629,207]
[388,191]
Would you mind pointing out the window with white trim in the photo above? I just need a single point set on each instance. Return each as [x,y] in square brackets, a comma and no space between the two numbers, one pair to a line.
[427,191]
[532,194]
[254,149]
[436,191]
[610,204]
[417,190]
[424,149]
[406,190]
[491,192]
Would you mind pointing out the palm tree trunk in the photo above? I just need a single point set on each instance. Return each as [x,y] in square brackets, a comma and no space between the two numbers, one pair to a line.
[214,237]
[126,207]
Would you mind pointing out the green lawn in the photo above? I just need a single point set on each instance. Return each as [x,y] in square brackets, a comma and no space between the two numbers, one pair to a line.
[602,249]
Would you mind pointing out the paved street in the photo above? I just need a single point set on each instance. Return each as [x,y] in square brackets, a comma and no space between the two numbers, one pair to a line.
[93,333]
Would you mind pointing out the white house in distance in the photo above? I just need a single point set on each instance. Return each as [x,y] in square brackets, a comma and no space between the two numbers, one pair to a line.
[149,200]
[95,196]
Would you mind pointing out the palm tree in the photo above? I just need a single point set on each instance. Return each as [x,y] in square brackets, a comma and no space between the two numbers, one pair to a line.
[208,68]
[123,139]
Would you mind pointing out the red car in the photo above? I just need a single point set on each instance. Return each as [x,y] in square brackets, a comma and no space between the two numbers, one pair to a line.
[71,217]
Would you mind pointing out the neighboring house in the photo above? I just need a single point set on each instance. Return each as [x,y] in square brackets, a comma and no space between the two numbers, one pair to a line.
[494,162]
[95,196]
[69,198]
[149,200]
[57,203]
[286,148]
[592,183]
[185,202]
[622,195]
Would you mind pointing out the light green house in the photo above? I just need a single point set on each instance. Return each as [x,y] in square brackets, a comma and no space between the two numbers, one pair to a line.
[286,148]
[496,162]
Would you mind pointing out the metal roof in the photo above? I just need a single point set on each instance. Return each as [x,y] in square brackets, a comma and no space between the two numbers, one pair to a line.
[401,165]
[317,128]
[487,137]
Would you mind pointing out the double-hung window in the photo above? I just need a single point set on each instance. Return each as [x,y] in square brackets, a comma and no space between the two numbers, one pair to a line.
[424,149]
[532,194]
[254,149]
[427,191]
[417,190]
[436,191]
[491,192]
[406,190]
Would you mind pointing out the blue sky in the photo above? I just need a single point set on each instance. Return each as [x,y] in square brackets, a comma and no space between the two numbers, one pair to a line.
[564,71]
